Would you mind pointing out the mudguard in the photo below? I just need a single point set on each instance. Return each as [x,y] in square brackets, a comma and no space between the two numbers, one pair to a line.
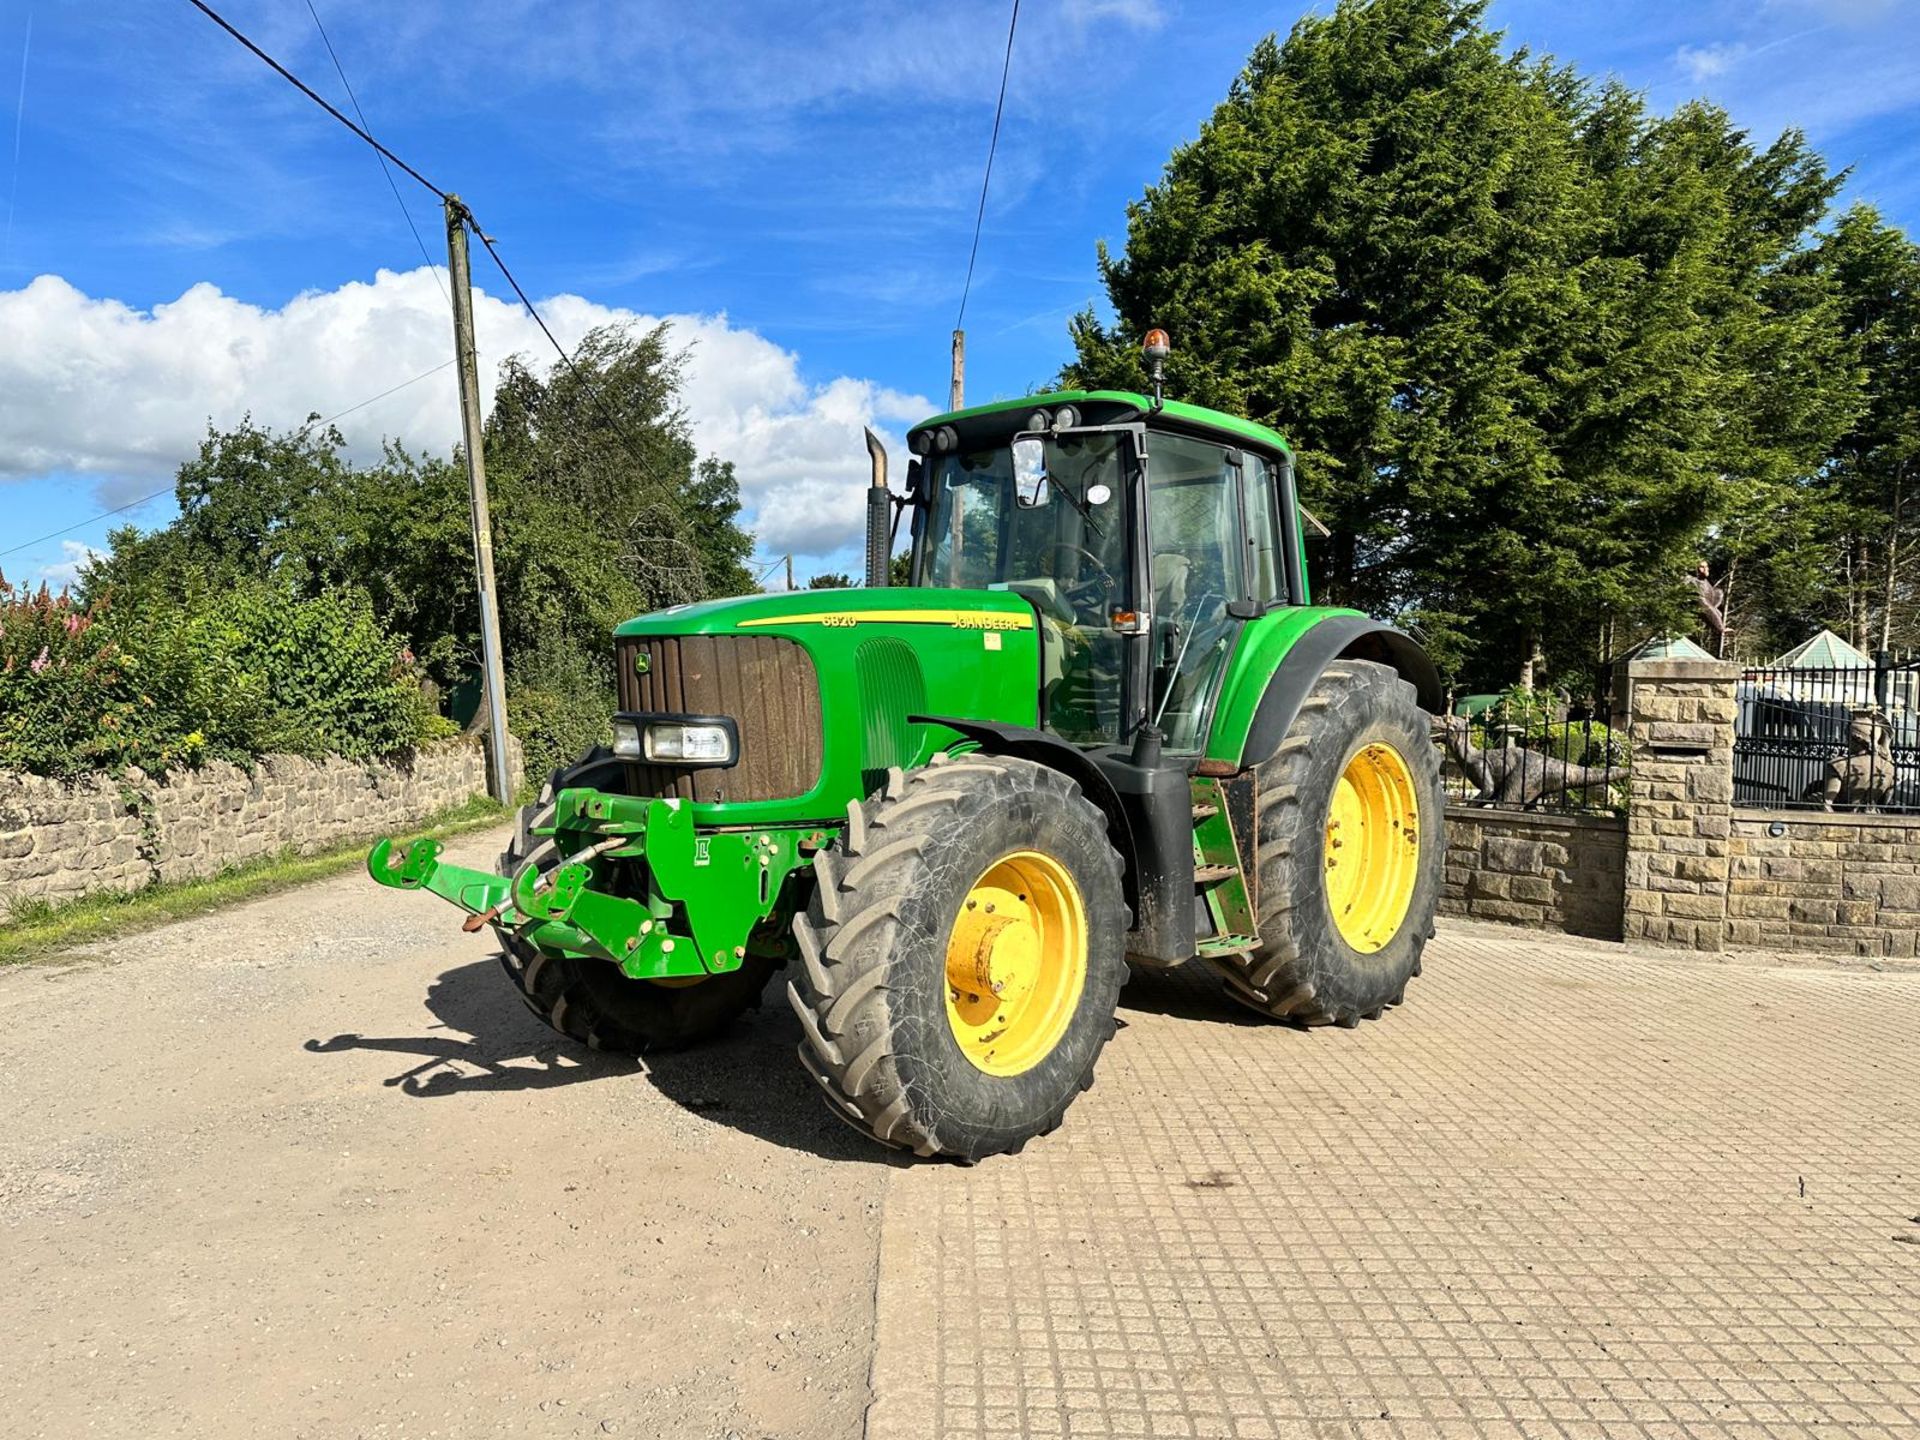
[1348,637]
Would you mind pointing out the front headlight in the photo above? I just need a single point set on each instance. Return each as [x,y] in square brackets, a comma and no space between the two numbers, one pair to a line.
[675,742]
[688,743]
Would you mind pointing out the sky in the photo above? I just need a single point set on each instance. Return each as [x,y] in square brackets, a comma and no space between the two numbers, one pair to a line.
[187,241]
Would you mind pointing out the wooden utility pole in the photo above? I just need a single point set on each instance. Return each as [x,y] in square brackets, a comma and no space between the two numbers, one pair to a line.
[494,687]
[957,385]
[789,570]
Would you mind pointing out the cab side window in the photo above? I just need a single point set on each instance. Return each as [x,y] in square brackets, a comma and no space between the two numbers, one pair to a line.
[1192,524]
[1267,570]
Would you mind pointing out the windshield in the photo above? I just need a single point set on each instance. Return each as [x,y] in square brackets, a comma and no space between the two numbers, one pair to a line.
[1066,551]
[1051,527]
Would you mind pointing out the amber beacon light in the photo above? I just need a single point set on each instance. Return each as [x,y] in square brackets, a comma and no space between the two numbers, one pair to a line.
[1156,347]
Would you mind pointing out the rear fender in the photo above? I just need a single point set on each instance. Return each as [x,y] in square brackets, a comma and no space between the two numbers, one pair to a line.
[1338,637]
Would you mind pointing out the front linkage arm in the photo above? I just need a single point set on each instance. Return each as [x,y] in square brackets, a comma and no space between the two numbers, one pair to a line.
[705,891]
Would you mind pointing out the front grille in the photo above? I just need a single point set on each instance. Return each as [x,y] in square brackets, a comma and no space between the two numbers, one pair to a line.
[766,683]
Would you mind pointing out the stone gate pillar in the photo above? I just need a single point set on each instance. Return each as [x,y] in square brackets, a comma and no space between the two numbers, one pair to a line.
[1680,807]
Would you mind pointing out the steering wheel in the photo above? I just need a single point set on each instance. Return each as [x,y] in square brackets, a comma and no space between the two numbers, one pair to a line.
[1093,591]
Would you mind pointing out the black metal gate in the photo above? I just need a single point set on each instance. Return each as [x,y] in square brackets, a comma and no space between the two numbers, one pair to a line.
[1841,738]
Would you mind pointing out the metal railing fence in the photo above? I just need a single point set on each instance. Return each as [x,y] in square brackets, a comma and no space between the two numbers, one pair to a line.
[1831,738]
[1544,750]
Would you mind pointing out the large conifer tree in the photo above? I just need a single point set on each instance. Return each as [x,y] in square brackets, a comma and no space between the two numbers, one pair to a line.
[1530,340]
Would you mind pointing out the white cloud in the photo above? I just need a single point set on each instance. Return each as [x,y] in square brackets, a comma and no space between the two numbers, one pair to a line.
[1707,62]
[67,571]
[1854,64]
[96,387]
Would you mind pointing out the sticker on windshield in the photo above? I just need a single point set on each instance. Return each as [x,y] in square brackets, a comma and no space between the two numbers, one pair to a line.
[1098,494]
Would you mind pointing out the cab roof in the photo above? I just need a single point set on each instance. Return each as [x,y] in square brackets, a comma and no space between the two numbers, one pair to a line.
[1185,416]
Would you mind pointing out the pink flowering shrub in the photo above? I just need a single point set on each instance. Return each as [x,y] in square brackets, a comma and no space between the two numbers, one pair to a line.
[231,673]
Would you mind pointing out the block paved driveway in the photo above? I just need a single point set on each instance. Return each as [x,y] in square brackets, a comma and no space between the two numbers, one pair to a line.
[1566,1190]
[306,1168]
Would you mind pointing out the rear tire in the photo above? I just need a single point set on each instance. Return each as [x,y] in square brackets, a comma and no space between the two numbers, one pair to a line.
[594,1001]
[877,942]
[1307,969]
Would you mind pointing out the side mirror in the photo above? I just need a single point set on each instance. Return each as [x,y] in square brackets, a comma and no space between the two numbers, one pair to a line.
[1029,471]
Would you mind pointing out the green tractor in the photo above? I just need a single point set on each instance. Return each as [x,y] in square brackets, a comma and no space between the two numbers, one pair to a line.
[1103,723]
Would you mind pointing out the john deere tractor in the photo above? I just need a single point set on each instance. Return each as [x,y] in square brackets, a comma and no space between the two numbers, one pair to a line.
[1103,724]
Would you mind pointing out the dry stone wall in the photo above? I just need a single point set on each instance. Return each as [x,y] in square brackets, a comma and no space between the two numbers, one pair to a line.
[1845,884]
[1553,872]
[60,841]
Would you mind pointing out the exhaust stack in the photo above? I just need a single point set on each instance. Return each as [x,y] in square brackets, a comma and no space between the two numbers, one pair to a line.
[879,516]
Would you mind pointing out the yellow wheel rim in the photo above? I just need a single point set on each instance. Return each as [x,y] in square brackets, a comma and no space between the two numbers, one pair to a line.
[1373,848]
[1016,963]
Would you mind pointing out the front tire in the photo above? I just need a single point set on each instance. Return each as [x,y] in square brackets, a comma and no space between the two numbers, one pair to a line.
[961,957]
[594,1001]
[1351,847]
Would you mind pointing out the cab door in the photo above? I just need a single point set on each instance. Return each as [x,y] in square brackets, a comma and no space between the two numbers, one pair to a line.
[1214,558]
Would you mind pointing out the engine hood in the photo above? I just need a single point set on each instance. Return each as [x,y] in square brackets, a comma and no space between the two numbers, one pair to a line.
[850,667]
[784,612]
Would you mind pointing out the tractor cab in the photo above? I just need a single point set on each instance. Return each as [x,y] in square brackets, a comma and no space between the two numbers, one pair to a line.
[1142,533]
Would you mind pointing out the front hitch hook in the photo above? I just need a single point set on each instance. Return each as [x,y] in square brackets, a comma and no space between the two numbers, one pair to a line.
[413,868]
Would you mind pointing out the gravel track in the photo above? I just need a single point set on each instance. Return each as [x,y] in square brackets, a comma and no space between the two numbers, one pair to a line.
[306,1167]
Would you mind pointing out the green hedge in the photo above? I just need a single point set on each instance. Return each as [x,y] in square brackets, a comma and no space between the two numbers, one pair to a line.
[559,704]
[232,673]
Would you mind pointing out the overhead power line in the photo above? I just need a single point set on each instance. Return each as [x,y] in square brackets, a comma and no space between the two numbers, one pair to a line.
[308,91]
[155,495]
[979,219]
[385,169]
[393,390]
[466,213]
[471,222]
[559,349]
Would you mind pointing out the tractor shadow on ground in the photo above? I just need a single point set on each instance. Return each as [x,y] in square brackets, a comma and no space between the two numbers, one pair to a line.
[1191,991]
[507,1048]
[748,1078]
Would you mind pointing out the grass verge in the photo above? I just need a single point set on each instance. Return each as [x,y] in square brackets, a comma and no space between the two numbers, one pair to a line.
[37,930]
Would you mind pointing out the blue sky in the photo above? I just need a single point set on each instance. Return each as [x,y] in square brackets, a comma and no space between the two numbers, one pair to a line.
[187,239]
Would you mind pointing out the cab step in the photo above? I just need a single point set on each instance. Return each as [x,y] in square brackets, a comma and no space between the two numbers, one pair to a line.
[1226,916]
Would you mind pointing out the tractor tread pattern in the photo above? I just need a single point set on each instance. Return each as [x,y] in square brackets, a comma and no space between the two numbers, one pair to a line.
[1272,978]
[847,934]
